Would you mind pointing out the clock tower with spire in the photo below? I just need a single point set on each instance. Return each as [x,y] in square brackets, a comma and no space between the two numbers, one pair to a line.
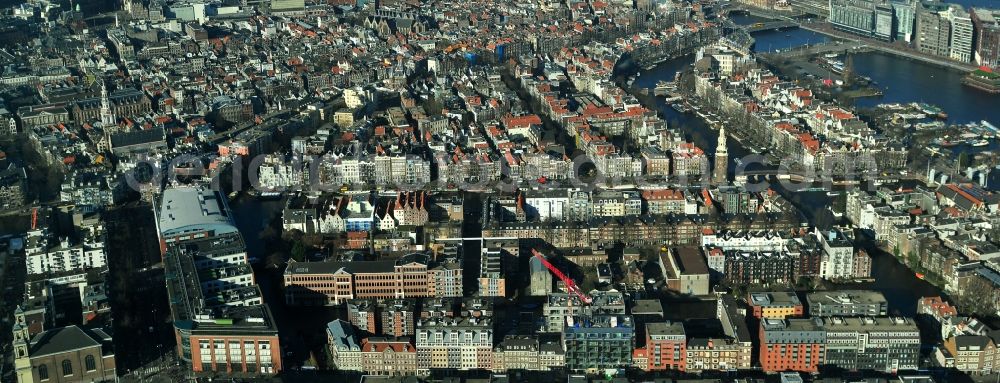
[107,115]
[721,159]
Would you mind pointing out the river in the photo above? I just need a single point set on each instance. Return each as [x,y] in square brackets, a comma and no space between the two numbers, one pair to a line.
[902,80]
[897,282]
[915,81]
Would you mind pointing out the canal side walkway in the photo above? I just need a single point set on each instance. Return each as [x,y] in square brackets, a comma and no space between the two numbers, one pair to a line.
[827,29]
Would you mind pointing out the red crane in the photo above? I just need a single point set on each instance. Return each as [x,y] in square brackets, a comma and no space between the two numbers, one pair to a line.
[570,284]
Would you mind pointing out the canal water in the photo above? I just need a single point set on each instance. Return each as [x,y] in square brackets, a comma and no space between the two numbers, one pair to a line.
[770,41]
[252,215]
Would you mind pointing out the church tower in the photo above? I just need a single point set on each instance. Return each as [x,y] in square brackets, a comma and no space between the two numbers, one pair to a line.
[107,116]
[721,159]
[22,346]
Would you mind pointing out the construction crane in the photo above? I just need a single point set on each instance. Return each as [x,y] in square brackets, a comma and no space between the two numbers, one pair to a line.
[570,284]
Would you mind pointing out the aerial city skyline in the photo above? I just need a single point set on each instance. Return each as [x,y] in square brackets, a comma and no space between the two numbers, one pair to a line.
[500,191]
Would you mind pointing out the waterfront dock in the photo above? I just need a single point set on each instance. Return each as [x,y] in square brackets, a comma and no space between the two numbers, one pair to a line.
[827,29]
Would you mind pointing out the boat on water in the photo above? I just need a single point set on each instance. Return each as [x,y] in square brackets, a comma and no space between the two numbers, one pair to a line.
[680,107]
[931,110]
[832,194]
[271,194]
[988,125]
[663,88]
[980,143]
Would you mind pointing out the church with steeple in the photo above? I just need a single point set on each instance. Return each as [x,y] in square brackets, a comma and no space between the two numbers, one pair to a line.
[721,159]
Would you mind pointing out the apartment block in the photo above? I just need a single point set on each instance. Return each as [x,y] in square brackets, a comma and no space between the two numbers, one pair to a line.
[598,342]
[363,315]
[792,345]
[666,346]
[388,356]
[342,343]
[729,350]
[460,343]
[846,303]
[46,254]
[838,254]
[498,256]
[397,318]
[559,307]
[527,352]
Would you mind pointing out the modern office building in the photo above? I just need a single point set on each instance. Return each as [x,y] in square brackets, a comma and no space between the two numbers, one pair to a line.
[884,22]
[187,212]
[846,303]
[904,19]
[855,16]
[933,28]
[960,47]
[885,344]
[220,321]
[791,345]
[598,342]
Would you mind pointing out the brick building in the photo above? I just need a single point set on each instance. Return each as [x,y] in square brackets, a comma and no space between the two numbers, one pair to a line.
[792,345]
[334,283]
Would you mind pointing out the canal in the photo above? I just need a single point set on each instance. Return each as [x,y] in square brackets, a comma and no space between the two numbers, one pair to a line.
[897,282]
[252,216]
